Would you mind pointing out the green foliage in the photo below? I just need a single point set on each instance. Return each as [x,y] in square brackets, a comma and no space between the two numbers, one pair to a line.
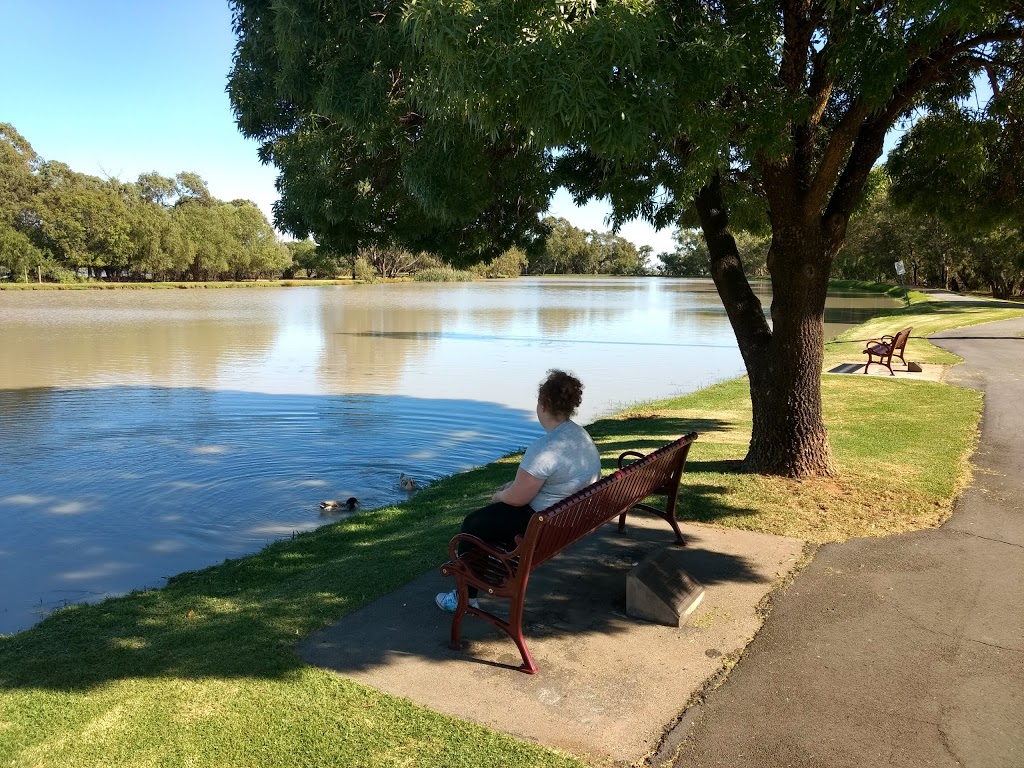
[328,91]
[18,183]
[691,257]
[364,271]
[940,246]
[56,223]
[18,256]
[962,167]
[313,260]
[444,274]
[510,263]
[438,125]
[392,261]
[451,121]
[569,250]
[154,188]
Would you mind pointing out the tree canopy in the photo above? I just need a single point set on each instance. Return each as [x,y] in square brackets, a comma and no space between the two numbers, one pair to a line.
[452,121]
[56,222]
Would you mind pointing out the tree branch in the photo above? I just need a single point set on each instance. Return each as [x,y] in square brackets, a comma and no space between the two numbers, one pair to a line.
[741,303]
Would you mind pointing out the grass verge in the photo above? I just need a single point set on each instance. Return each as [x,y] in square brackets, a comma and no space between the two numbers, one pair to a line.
[203,672]
[927,316]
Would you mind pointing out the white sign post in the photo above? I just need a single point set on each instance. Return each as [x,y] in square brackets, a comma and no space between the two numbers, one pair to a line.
[901,270]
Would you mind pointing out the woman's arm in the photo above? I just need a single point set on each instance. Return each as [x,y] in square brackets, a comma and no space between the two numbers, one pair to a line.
[521,491]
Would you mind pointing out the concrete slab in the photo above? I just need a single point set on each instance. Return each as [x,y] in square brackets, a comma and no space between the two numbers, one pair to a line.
[928,372]
[608,686]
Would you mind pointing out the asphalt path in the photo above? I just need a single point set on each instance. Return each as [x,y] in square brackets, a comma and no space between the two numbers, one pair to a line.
[903,651]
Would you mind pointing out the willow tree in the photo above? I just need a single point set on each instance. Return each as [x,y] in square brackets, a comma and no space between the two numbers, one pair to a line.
[390,119]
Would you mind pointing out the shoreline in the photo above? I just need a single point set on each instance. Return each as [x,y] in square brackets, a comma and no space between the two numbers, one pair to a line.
[141,662]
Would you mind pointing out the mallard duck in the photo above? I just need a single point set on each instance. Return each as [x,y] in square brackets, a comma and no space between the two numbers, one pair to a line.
[407,483]
[331,505]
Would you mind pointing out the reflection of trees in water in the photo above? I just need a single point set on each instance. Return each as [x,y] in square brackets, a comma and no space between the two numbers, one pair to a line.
[853,314]
[368,342]
[559,321]
[496,320]
[159,339]
[841,309]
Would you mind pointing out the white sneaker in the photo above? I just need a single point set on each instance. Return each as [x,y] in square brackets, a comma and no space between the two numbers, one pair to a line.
[449,601]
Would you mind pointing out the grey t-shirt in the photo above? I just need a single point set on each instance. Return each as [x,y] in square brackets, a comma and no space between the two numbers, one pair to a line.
[566,459]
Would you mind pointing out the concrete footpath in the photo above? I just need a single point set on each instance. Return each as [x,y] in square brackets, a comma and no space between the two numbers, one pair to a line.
[905,651]
[608,685]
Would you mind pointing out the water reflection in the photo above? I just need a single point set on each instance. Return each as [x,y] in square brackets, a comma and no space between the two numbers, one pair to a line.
[100,500]
[143,433]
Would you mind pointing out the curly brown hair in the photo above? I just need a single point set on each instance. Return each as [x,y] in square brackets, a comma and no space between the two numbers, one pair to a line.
[560,394]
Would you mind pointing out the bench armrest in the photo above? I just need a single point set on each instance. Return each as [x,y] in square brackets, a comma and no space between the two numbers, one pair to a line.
[634,454]
[500,555]
[490,549]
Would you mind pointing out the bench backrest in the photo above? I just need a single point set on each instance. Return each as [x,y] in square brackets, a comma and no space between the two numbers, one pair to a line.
[553,529]
[899,341]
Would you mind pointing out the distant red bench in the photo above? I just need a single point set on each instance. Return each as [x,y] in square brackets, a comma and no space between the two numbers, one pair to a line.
[885,348]
[503,571]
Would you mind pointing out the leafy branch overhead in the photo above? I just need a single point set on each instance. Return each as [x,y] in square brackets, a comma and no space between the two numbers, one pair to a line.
[444,122]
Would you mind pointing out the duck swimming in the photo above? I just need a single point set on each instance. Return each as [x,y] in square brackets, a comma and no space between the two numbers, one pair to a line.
[407,483]
[331,505]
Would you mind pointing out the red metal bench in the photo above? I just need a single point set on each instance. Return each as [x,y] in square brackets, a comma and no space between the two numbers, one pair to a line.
[885,347]
[503,571]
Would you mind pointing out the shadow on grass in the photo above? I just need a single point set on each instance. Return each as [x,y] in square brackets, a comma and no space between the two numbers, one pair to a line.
[655,429]
[243,618]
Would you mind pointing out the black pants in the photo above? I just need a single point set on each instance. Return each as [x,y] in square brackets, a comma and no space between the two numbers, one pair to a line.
[497,524]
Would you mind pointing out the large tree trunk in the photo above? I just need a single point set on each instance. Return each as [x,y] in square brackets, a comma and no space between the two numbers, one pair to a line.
[783,362]
[789,436]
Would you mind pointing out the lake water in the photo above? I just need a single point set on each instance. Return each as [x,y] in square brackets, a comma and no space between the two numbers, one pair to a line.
[144,433]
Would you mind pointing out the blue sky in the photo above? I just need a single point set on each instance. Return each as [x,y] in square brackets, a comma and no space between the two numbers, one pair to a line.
[117,88]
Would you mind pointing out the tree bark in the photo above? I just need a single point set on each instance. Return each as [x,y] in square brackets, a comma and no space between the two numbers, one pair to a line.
[789,436]
[783,362]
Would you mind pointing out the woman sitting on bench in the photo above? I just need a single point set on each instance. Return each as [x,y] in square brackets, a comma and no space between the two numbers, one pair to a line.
[554,467]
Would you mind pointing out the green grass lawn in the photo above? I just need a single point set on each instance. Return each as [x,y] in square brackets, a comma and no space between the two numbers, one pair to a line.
[203,673]
[926,317]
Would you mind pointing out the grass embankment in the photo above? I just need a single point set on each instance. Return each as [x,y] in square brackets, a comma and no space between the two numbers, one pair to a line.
[202,672]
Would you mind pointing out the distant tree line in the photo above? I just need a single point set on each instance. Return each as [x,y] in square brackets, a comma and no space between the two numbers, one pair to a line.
[60,225]
[562,249]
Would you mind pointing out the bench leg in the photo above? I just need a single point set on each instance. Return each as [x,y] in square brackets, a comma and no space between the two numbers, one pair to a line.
[669,517]
[455,642]
[513,627]
[515,631]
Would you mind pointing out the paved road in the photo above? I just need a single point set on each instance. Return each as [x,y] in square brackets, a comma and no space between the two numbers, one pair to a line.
[905,651]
